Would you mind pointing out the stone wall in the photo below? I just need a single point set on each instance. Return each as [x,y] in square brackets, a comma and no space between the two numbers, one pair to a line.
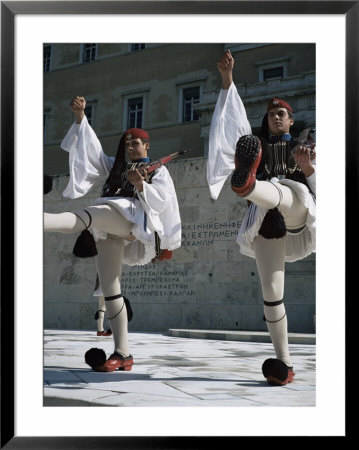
[207,283]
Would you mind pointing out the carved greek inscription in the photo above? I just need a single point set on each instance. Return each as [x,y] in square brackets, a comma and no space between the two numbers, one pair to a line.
[198,234]
[169,280]
[155,281]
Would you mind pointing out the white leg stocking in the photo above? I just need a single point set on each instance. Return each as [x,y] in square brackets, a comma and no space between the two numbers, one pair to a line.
[101,313]
[108,260]
[269,195]
[277,326]
[117,316]
[103,217]
[66,222]
[270,263]
[109,263]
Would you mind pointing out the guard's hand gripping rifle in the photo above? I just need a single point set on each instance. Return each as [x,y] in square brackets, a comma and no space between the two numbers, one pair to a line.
[305,139]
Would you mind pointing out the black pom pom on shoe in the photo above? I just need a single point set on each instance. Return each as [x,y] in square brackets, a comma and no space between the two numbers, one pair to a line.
[95,357]
[275,368]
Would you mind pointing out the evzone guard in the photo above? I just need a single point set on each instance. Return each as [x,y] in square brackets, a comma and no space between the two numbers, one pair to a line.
[135,221]
[275,173]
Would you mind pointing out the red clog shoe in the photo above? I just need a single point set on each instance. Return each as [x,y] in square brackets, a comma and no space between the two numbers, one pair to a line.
[104,333]
[116,362]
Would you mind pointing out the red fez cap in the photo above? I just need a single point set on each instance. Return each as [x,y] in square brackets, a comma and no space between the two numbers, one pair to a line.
[134,133]
[278,103]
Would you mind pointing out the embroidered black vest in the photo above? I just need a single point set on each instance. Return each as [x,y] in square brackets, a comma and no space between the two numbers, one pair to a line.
[278,161]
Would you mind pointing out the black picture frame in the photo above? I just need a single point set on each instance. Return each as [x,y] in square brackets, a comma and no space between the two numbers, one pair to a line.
[9,9]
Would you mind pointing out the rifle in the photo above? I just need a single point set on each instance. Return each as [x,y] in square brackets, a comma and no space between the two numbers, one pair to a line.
[149,167]
[153,165]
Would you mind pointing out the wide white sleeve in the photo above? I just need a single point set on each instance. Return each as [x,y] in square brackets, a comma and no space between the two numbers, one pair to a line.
[88,164]
[157,195]
[311,180]
[159,200]
[229,123]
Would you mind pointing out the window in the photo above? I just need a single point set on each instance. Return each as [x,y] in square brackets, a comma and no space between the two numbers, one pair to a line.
[135,112]
[136,47]
[47,58]
[190,98]
[273,68]
[89,113]
[89,52]
[134,107]
[273,72]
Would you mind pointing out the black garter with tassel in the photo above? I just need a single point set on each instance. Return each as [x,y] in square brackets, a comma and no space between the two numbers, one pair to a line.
[273,225]
[129,309]
[85,245]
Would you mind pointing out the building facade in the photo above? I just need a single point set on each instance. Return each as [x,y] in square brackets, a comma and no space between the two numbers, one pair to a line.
[168,89]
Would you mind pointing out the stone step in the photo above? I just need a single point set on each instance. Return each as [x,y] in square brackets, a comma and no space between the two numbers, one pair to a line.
[234,335]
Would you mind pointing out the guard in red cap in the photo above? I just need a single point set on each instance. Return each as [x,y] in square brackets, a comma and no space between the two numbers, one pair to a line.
[275,173]
[135,220]
[136,133]
[278,103]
